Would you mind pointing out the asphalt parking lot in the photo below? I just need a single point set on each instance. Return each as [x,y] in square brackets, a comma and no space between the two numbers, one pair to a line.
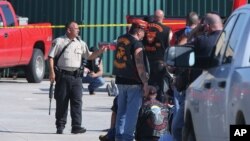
[24,113]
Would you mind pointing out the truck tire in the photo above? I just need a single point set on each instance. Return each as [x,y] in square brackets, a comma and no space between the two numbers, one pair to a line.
[190,135]
[36,69]
[188,130]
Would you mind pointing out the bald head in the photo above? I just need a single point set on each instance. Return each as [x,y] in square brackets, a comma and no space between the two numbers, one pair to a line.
[159,15]
[214,21]
[192,19]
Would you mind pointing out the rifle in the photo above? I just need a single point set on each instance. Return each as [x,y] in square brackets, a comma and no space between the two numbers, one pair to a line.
[50,94]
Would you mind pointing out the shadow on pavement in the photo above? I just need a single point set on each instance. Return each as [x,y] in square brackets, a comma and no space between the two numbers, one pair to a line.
[85,90]
[24,132]
[11,81]
[89,109]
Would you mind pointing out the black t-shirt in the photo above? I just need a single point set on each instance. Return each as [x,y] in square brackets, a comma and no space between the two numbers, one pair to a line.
[204,46]
[156,41]
[93,65]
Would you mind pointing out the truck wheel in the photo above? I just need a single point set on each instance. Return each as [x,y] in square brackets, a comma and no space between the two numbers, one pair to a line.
[191,136]
[188,131]
[36,69]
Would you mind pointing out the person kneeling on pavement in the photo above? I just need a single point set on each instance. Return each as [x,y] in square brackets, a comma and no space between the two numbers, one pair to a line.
[93,72]
[152,121]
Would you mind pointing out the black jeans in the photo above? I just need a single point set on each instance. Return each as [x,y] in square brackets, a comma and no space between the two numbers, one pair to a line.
[68,89]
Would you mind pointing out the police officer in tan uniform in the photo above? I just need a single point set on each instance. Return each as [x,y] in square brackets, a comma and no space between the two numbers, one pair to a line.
[65,70]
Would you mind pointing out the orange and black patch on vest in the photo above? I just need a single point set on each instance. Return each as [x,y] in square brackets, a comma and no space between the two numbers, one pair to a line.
[157,26]
[120,56]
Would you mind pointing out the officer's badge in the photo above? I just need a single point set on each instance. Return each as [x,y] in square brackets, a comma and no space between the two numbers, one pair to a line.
[53,44]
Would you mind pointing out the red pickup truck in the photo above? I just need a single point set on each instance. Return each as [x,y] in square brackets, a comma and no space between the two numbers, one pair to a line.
[23,44]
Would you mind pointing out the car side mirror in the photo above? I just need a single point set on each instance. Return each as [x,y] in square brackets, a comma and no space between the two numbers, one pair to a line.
[180,56]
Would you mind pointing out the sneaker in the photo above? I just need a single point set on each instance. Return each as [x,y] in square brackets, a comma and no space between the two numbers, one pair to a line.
[109,90]
[112,83]
[78,130]
[114,88]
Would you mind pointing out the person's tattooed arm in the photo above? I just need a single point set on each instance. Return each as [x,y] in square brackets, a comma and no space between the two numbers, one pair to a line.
[141,66]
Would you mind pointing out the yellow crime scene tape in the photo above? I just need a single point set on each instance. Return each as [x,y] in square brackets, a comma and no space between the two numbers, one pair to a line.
[82,26]
[62,26]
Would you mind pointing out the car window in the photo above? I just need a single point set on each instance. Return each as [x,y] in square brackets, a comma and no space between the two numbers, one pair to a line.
[234,38]
[8,15]
[1,21]
[224,37]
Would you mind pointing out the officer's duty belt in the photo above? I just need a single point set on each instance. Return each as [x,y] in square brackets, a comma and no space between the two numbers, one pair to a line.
[72,73]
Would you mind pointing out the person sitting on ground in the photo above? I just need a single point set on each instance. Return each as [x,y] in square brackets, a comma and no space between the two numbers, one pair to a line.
[94,71]
[110,136]
[153,119]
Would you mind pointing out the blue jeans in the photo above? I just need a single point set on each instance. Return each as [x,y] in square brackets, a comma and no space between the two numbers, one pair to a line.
[166,137]
[111,134]
[178,118]
[94,82]
[129,103]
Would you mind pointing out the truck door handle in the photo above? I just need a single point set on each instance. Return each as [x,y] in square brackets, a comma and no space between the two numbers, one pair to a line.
[222,84]
[5,35]
[207,85]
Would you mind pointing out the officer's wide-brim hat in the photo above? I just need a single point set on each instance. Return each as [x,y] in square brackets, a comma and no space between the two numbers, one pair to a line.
[138,23]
